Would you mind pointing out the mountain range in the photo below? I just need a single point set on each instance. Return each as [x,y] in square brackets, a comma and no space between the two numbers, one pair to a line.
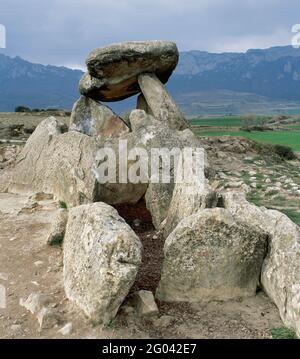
[204,83]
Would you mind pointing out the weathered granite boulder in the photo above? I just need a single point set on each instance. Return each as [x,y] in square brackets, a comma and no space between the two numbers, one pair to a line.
[121,189]
[118,66]
[280,275]
[188,199]
[95,119]
[160,103]
[101,259]
[57,163]
[65,165]
[211,255]
[160,140]
[89,86]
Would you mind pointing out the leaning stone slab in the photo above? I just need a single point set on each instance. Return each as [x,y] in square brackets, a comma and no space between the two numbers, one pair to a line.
[211,256]
[94,119]
[141,104]
[118,66]
[101,259]
[160,103]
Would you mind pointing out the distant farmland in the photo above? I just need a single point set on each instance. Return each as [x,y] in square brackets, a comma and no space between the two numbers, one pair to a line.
[230,126]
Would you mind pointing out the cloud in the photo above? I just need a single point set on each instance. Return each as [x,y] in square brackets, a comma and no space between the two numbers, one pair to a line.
[63,32]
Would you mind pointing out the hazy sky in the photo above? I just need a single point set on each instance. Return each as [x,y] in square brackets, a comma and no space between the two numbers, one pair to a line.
[63,32]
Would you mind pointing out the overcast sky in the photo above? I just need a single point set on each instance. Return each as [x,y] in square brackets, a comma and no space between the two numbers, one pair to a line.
[63,32]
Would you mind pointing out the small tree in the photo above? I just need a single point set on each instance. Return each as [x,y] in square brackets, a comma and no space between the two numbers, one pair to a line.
[252,122]
[249,120]
[22,109]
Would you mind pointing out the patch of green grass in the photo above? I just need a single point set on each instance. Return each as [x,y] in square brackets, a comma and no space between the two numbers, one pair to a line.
[57,241]
[274,192]
[280,201]
[254,198]
[111,324]
[259,176]
[246,178]
[63,205]
[284,138]
[293,215]
[94,323]
[108,325]
[227,121]
[283,333]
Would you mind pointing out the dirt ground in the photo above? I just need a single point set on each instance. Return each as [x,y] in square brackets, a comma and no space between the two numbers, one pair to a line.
[17,127]
[28,265]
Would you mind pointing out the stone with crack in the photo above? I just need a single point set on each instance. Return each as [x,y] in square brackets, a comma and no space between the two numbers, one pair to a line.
[211,255]
[101,259]
[280,276]
[160,104]
[94,119]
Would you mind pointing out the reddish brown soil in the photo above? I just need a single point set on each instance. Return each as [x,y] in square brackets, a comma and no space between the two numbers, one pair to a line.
[153,242]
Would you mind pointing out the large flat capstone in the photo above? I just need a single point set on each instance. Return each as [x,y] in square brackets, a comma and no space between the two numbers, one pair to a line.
[118,66]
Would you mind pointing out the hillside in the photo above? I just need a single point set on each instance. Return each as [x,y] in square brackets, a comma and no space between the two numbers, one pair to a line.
[36,86]
[262,81]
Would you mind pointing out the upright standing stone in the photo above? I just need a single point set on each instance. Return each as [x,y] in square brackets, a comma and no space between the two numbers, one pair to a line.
[280,276]
[161,142]
[142,105]
[188,199]
[161,104]
[211,256]
[101,259]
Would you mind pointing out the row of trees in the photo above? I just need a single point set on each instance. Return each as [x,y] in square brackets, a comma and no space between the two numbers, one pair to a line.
[29,110]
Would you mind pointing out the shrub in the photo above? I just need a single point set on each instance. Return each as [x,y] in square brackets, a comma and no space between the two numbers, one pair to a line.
[22,109]
[255,128]
[63,205]
[57,241]
[284,152]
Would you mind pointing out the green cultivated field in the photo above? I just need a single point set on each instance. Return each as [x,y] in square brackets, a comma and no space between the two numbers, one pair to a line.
[230,126]
[226,121]
[288,138]
[218,122]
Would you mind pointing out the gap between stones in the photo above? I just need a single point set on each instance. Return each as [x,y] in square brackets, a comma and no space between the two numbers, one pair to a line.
[152,240]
